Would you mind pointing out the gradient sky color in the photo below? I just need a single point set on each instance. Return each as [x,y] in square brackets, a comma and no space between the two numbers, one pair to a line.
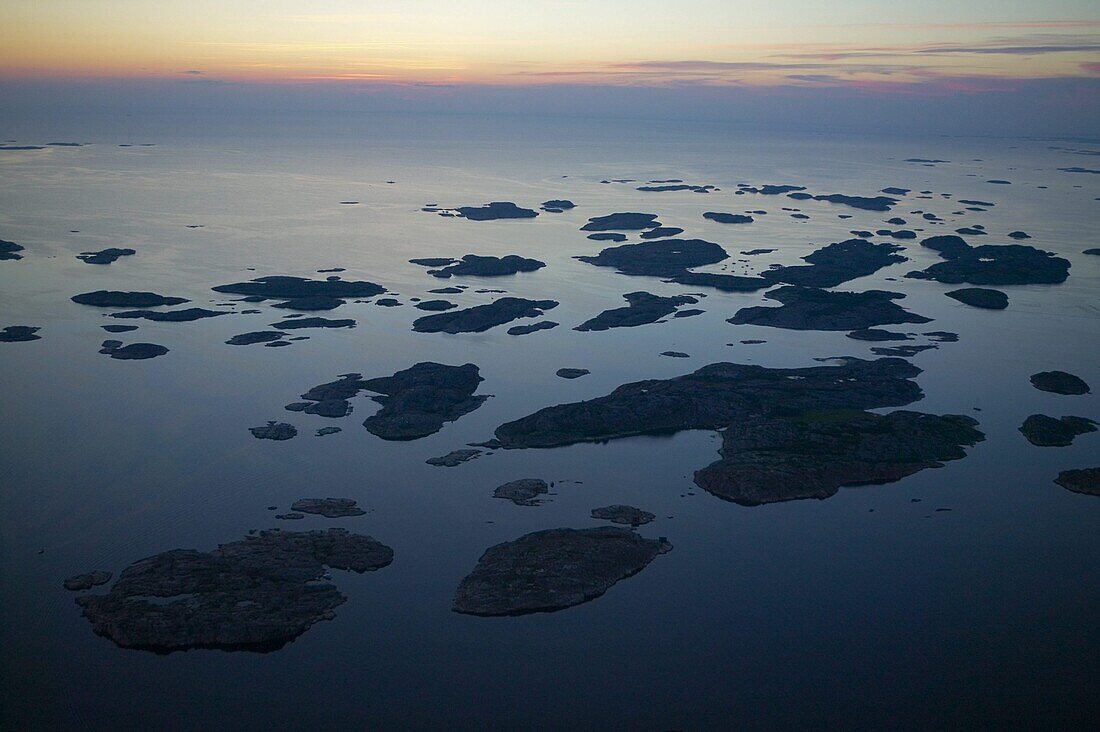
[1010,67]
[603,42]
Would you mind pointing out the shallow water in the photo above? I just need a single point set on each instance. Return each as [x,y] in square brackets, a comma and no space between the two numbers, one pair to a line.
[807,613]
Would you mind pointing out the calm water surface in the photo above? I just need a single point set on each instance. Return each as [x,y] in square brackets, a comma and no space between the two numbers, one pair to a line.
[806,613]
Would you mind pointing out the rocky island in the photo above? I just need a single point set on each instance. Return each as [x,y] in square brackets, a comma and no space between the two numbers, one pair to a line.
[553,569]
[257,594]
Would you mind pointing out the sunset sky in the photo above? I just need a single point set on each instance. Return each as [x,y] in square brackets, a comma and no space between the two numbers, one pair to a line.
[628,42]
[420,48]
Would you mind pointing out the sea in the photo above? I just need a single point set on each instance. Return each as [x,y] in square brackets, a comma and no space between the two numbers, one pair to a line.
[871,609]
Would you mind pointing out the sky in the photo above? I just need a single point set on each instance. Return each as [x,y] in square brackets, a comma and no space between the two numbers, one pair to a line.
[427,52]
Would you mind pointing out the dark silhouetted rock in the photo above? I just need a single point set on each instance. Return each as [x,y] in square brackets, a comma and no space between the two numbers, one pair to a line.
[618,514]
[417,401]
[727,218]
[330,399]
[607,236]
[1008,264]
[453,458]
[837,263]
[892,191]
[116,299]
[279,287]
[446,291]
[723,282]
[813,454]
[105,256]
[806,308]
[522,492]
[298,323]
[689,313]
[557,205]
[1074,169]
[949,246]
[1059,382]
[87,581]
[387,302]
[622,222]
[1094,252]
[712,398]
[899,234]
[495,210]
[170,316]
[328,507]
[673,187]
[756,252]
[553,569]
[875,203]
[661,232]
[980,297]
[572,373]
[771,190]
[132,352]
[1045,431]
[526,329]
[118,328]
[1085,480]
[331,408]
[325,431]
[662,258]
[259,336]
[876,334]
[902,351]
[941,336]
[1018,235]
[482,317]
[312,303]
[435,306]
[9,250]
[477,266]
[643,308]
[274,431]
[252,595]
[433,261]
[19,334]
